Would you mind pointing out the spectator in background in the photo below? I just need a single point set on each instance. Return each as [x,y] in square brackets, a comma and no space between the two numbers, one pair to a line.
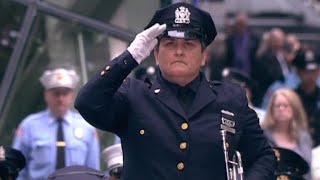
[11,162]
[216,60]
[56,137]
[308,66]
[113,157]
[271,66]
[242,45]
[291,47]
[291,80]
[242,79]
[285,124]
[264,45]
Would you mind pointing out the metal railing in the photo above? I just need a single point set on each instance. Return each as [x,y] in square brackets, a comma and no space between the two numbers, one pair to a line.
[34,7]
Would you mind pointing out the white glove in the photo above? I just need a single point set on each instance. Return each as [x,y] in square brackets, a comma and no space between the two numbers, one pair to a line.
[145,41]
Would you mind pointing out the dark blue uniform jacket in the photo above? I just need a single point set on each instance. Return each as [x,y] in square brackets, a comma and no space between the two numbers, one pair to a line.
[160,141]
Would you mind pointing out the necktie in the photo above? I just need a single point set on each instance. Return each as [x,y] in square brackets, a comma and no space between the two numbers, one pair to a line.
[60,145]
[185,97]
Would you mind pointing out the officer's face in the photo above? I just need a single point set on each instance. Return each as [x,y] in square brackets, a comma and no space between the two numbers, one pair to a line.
[179,59]
[282,110]
[59,100]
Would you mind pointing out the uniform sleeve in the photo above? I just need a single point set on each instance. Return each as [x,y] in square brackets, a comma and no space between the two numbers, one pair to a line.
[20,142]
[102,100]
[258,158]
[93,155]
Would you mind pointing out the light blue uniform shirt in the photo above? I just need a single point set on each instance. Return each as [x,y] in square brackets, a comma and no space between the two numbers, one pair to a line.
[36,138]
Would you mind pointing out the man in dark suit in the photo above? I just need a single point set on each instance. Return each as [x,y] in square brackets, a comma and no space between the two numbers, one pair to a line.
[242,45]
[272,66]
[170,127]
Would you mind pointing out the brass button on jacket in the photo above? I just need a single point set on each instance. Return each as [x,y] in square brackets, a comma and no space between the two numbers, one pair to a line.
[184,126]
[183,145]
[141,132]
[180,166]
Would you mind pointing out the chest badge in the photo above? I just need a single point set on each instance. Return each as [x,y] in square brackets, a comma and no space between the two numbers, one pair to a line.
[228,122]
[78,133]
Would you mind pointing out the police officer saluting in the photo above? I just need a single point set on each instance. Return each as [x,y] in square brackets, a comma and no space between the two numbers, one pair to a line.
[170,128]
[56,137]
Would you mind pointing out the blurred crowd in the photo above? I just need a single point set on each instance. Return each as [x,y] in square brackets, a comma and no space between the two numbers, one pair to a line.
[279,72]
[282,74]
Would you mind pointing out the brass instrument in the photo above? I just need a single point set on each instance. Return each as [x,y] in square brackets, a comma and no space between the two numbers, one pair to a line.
[234,172]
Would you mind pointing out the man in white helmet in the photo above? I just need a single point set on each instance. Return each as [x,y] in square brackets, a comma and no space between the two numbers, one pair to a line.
[113,157]
[56,137]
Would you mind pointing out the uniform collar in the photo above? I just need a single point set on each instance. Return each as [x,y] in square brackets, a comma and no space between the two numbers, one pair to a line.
[66,118]
[193,85]
[204,95]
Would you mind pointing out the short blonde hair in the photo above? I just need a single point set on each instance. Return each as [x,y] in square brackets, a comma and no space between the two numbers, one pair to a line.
[298,124]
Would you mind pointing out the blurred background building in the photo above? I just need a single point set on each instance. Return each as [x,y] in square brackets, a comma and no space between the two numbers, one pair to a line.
[83,35]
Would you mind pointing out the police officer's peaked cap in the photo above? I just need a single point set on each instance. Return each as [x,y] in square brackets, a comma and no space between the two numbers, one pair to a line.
[11,161]
[239,77]
[59,77]
[184,20]
[77,172]
[290,164]
[307,60]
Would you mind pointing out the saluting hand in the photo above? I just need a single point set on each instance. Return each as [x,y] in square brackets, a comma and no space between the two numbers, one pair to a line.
[145,41]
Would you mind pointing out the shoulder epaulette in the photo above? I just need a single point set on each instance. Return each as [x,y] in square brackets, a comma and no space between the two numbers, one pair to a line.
[215,82]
